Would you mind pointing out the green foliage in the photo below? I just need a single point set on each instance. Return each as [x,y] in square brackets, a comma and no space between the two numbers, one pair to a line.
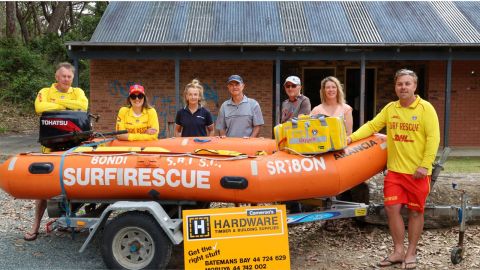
[51,46]
[84,29]
[25,69]
[87,23]
[22,72]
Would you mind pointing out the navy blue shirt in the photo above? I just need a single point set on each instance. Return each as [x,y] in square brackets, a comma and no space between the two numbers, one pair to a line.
[194,124]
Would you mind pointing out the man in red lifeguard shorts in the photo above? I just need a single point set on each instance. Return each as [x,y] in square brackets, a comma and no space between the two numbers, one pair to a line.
[413,136]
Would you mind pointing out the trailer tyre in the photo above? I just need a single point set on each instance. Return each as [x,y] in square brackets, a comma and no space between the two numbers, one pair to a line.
[456,255]
[134,240]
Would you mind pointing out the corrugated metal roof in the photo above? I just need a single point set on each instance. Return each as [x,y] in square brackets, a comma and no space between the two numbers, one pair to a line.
[290,23]
[361,22]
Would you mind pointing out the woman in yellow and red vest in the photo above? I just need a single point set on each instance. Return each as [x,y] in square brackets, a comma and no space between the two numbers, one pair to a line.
[138,117]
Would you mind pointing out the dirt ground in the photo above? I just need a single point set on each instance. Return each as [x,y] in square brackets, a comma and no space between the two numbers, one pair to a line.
[358,246]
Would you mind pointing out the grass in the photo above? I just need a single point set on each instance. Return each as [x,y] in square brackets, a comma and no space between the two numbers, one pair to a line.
[462,165]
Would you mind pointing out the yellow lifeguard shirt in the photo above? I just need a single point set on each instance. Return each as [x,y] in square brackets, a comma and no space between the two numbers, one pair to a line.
[413,135]
[51,99]
[137,125]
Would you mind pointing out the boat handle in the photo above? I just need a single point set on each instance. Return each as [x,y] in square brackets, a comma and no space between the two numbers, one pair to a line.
[40,168]
[234,182]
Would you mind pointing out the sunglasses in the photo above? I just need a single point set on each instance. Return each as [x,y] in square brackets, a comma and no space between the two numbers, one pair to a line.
[139,96]
[290,86]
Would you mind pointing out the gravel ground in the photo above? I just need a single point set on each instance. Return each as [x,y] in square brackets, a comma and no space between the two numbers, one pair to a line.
[50,251]
[343,244]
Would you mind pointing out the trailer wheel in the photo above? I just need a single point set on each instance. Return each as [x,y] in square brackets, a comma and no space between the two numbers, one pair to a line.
[456,255]
[134,240]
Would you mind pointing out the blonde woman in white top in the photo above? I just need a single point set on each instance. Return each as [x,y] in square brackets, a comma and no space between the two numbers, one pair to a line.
[333,102]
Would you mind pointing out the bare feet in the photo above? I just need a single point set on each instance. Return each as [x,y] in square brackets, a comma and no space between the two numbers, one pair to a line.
[30,236]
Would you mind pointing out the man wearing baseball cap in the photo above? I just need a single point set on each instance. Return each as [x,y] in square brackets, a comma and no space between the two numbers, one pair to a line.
[296,103]
[239,116]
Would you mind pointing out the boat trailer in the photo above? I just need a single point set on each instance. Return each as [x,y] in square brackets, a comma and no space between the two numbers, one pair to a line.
[145,219]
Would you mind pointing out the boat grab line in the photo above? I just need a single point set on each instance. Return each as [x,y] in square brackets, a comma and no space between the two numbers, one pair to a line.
[150,155]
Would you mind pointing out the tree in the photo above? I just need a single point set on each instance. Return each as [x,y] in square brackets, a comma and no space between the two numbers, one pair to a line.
[37,20]
[22,15]
[10,14]
[44,28]
[57,17]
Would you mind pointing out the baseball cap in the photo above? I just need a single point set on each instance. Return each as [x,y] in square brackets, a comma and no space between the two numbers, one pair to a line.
[236,78]
[136,88]
[293,79]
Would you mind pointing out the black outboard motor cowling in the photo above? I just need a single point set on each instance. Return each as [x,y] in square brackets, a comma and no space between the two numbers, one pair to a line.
[61,130]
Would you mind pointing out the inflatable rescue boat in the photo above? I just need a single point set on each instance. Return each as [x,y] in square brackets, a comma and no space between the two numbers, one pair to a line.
[194,169]
[185,169]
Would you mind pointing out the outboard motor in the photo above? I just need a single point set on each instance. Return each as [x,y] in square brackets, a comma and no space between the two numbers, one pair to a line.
[61,130]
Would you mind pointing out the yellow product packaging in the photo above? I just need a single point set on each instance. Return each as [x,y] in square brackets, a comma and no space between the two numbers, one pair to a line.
[338,133]
[311,135]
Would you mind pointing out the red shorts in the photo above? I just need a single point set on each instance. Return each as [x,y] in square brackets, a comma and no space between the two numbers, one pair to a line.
[401,188]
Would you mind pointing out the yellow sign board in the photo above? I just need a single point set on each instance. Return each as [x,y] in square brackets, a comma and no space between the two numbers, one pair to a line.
[240,238]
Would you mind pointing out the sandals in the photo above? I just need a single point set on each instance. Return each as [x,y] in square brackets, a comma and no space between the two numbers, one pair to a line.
[387,262]
[28,236]
[409,265]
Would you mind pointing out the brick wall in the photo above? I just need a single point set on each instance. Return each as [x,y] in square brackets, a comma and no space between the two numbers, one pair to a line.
[465,99]
[110,79]
[257,76]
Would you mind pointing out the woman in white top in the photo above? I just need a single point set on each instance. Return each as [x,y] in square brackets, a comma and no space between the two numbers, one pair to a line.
[333,102]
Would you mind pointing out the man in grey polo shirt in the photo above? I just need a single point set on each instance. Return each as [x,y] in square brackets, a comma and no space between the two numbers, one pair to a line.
[296,103]
[239,116]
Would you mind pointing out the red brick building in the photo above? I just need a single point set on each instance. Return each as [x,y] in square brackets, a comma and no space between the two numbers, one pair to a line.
[170,43]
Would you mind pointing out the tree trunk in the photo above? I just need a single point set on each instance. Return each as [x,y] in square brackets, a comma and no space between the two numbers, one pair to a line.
[10,14]
[23,25]
[45,10]
[72,17]
[36,19]
[57,17]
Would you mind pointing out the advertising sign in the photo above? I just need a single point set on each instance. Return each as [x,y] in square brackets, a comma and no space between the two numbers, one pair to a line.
[254,237]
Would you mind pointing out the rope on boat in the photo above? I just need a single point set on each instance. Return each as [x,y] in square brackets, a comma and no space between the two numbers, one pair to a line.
[300,154]
[65,202]
[69,153]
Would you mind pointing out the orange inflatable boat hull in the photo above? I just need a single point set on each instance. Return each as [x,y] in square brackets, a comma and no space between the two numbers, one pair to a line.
[172,176]
[248,146]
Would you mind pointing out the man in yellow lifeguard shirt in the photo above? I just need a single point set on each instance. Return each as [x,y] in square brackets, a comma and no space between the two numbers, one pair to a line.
[60,96]
[413,136]
[138,117]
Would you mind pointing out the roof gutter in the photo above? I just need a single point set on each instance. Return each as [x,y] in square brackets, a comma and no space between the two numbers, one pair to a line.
[128,44]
